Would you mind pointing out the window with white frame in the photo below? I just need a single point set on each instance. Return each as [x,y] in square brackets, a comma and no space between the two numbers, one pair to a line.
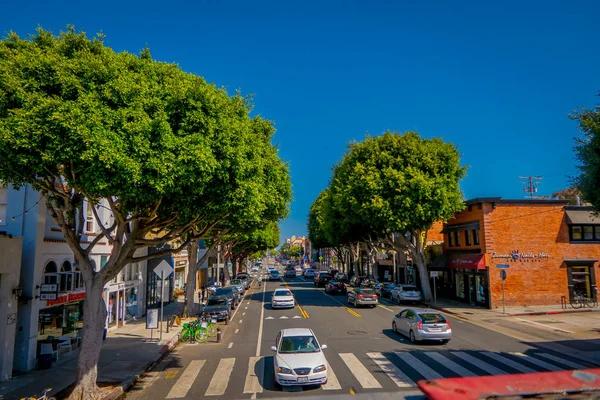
[3,196]
[50,273]
[65,281]
[77,278]
[90,222]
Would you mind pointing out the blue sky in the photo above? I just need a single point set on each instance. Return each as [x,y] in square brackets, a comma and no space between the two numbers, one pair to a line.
[497,79]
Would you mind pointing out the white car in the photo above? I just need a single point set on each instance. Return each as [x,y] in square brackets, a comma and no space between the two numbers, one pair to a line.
[309,273]
[299,359]
[282,298]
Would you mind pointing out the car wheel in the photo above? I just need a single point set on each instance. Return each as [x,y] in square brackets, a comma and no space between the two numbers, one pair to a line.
[355,303]
[412,337]
[394,327]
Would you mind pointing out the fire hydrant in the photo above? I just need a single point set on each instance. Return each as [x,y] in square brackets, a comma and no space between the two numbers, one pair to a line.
[218,335]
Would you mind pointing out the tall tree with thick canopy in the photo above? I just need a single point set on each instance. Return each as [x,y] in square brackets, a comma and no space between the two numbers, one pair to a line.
[587,151]
[171,156]
[398,183]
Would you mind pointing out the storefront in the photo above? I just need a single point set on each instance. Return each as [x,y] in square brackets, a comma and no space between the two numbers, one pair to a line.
[469,278]
[180,274]
[61,317]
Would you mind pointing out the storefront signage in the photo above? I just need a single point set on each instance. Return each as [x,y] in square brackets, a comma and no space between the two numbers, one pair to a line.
[516,255]
[181,263]
[67,298]
[49,288]
[47,296]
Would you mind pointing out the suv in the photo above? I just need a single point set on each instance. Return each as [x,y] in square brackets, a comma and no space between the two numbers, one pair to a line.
[290,272]
[322,278]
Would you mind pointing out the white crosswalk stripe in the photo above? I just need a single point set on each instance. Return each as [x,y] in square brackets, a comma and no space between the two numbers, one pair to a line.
[508,361]
[332,380]
[448,363]
[399,377]
[185,381]
[253,383]
[418,366]
[539,363]
[220,379]
[360,372]
[478,363]
[562,361]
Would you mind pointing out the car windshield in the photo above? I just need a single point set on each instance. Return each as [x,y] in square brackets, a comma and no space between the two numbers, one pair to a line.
[244,276]
[432,318]
[325,276]
[410,288]
[299,344]
[216,301]
[367,291]
[282,293]
[223,291]
[236,282]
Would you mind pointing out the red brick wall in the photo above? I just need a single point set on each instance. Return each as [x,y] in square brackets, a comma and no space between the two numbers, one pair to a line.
[434,234]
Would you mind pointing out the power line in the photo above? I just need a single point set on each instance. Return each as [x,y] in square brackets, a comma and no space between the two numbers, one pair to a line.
[530,186]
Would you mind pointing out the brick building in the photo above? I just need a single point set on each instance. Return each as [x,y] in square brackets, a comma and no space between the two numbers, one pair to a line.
[552,250]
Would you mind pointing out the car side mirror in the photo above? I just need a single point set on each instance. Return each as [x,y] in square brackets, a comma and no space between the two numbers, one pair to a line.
[323,347]
[273,348]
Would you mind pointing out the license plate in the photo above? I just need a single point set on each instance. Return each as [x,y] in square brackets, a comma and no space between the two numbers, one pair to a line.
[435,329]
[303,379]
[213,321]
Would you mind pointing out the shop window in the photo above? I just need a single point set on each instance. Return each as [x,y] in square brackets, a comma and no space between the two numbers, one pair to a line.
[467,237]
[476,237]
[450,242]
[456,238]
[65,283]
[588,233]
[50,273]
[584,233]
[460,286]
[480,288]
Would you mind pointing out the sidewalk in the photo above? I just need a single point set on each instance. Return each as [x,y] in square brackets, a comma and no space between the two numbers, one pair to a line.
[123,357]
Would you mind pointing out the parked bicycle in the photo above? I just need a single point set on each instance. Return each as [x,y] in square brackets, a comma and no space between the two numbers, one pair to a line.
[44,397]
[192,331]
[211,325]
[579,300]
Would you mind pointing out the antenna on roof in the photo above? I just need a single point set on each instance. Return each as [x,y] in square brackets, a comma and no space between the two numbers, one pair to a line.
[530,186]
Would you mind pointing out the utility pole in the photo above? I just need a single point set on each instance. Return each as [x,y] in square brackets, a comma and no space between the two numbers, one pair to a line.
[530,185]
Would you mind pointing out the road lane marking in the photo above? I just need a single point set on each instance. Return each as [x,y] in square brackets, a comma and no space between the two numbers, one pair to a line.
[260,325]
[172,374]
[237,330]
[220,379]
[241,320]
[283,317]
[296,316]
[184,383]
[397,376]
[478,363]
[448,363]
[357,315]
[507,361]
[332,381]
[418,365]
[245,308]
[269,318]
[360,372]
[253,382]
[539,363]
[385,308]
[230,345]
[544,325]
[304,313]
[562,361]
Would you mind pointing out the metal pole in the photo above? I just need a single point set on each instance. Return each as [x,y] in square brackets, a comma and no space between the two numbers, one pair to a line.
[434,294]
[162,299]
[503,308]
[218,277]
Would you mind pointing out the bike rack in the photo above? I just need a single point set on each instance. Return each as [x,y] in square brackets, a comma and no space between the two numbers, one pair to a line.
[563,302]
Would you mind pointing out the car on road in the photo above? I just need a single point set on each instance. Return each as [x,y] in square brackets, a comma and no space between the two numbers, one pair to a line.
[245,278]
[274,275]
[290,272]
[362,297]
[239,285]
[422,324]
[309,273]
[298,358]
[408,293]
[282,298]
[217,308]
[386,289]
[322,278]
[335,287]
[230,293]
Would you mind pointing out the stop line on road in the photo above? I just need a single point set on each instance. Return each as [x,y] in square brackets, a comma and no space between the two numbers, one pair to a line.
[370,371]
[284,317]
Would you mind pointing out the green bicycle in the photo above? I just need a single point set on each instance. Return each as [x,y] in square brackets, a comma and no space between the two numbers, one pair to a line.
[211,325]
[192,331]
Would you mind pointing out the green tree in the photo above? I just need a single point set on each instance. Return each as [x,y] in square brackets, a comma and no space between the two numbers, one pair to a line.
[397,183]
[587,152]
[171,156]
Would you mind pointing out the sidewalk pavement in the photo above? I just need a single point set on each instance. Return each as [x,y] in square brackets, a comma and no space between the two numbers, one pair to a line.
[123,358]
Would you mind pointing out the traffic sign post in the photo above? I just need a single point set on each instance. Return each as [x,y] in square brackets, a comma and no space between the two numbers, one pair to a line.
[434,275]
[503,277]
[162,269]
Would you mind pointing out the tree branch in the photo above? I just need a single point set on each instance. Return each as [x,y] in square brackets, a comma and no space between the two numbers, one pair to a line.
[105,231]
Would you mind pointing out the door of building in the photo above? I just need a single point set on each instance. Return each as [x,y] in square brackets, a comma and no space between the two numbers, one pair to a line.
[581,281]
[471,288]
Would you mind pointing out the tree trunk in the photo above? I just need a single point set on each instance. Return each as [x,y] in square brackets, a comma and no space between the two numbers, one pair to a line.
[234,267]
[190,280]
[422,268]
[94,318]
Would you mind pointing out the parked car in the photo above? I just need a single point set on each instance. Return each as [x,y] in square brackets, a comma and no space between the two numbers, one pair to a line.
[238,284]
[322,279]
[362,297]
[406,293]
[230,293]
[386,289]
[217,307]
[282,298]
[274,275]
[245,278]
[422,324]
[356,281]
[290,272]
[309,273]
[298,358]
[335,287]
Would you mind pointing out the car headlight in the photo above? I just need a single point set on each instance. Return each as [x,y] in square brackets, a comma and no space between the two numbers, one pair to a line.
[284,370]
[320,368]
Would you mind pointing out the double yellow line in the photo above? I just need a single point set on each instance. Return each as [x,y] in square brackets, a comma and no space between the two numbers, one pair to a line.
[302,310]
[351,311]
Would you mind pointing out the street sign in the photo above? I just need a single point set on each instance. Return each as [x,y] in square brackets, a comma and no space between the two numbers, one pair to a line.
[229,264]
[502,266]
[49,288]
[163,269]
[433,274]
[152,318]
[320,258]
[503,274]
[320,253]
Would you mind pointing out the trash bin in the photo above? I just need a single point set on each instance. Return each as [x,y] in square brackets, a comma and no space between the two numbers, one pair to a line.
[45,361]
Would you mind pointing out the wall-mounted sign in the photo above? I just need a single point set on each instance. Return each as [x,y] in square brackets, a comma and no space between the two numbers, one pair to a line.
[516,255]
[66,298]
[11,319]
[47,296]
[181,263]
[49,288]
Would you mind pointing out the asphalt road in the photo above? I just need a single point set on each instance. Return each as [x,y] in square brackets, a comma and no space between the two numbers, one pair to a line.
[365,357]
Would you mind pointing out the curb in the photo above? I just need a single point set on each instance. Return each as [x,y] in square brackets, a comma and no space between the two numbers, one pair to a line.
[520,314]
[127,384]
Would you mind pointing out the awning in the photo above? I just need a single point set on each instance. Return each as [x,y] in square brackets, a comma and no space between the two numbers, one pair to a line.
[466,226]
[578,217]
[468,261]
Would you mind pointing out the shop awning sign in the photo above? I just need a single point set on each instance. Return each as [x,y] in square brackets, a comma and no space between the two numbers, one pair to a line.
[466,261]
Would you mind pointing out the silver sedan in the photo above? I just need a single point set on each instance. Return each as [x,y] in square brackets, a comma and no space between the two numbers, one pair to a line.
[422,324]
